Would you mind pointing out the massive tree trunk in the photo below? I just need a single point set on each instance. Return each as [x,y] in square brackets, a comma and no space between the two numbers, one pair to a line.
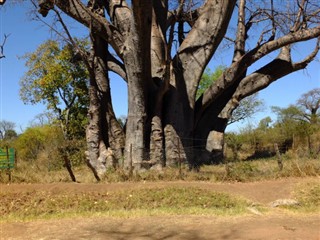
[188,65]
[138,65]
[162,54]
[97,130]
[105,138]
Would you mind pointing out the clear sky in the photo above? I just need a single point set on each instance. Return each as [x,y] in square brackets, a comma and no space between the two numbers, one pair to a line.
[26,35]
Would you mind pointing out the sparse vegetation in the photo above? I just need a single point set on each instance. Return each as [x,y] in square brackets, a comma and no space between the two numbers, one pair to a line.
[309,196]
[239,171]
[163,201]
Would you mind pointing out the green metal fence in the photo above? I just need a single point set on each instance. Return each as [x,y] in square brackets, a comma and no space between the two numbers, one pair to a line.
[7,158]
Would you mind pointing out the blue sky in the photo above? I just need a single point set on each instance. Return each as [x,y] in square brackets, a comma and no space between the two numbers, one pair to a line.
[26,35]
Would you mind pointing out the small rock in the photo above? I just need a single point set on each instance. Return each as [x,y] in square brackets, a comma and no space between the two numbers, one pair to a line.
[254,211]
[284,202]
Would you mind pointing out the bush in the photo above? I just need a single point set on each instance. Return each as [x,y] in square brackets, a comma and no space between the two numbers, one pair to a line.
[40,145]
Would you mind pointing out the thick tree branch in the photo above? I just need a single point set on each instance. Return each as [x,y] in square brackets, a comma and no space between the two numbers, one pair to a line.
[237,68]
[302,64]
[97,23]
[202,41]
[276,69]
[117,67]
[241,33]
[121,16]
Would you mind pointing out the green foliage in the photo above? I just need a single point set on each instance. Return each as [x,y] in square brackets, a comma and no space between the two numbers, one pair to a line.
[264,124]
[295,128]
[300,122]
[208,78]
[35,141]
[46,147]
[247,106]
[54,79]
[291,113]
[234,141]
[241,171]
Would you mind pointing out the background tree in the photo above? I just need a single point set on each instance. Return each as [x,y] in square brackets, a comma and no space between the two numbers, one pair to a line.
[54,79]
[209,78]
[10,134]
[6,129]
[163,67]
[265,124]
[7,133]
[300,120]
[247,108]
[58,80]
[309,104]
[42,119]
[288,123]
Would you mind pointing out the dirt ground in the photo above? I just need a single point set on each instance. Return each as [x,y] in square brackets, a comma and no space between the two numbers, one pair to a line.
[276,224]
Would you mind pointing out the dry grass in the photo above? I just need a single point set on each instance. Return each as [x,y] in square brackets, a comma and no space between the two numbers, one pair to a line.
[241,171]
[158,201]
[308,196]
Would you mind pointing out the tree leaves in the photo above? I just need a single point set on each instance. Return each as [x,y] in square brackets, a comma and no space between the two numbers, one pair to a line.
[58,82]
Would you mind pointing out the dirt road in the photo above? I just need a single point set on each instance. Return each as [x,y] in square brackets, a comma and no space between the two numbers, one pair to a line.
[276,224]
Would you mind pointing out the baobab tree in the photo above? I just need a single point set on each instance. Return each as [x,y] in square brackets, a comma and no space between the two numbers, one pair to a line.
[161,48]
[310,105]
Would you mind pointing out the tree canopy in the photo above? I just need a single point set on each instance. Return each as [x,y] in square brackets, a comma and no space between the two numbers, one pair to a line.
[6,129]
[54,78]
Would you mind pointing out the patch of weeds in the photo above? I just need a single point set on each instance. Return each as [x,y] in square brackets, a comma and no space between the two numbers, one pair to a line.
[300,168]
[172,200]
[241,171]
[308,196]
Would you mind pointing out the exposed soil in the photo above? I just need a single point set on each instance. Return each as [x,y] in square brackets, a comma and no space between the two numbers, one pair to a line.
[276,224]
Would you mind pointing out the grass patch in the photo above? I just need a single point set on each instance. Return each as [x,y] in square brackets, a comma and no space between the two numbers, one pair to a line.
[173,200]
[308,198]
[240,171]
[308,195]
[264,169]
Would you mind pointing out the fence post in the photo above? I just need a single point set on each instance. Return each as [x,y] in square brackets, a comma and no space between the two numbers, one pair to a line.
[179,156]
[8,160]
[130,163]
[280,164]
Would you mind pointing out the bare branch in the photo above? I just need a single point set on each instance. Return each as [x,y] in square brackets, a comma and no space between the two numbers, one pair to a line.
[302,64]
[237,68]
[2,46]
[297,23]
[276,69]
[78,11]
[241,32]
